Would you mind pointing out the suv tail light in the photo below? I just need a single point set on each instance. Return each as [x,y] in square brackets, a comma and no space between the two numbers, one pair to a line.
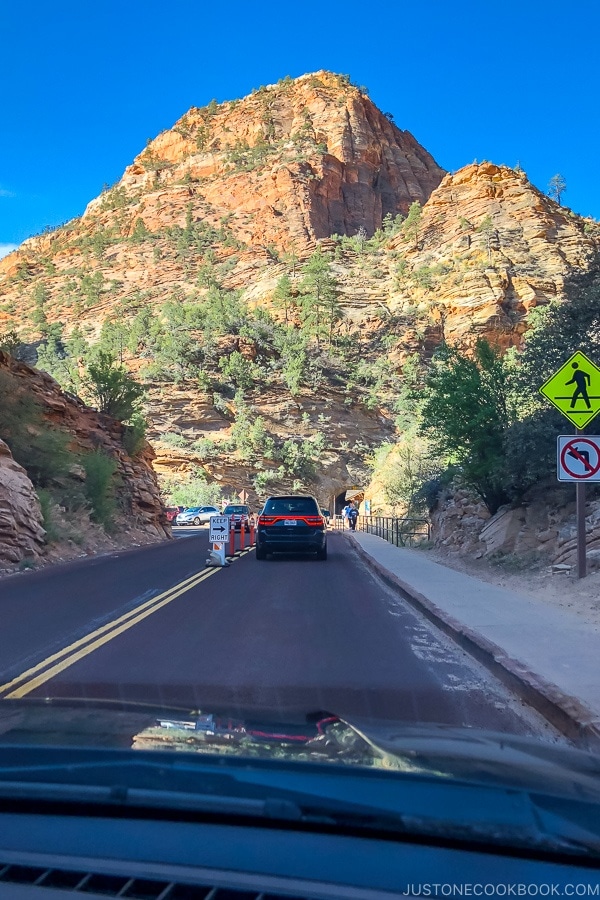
[308,520]
[266,520]
[313,520]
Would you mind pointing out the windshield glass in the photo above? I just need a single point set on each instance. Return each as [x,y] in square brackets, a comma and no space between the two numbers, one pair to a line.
[299,394]
[288,505]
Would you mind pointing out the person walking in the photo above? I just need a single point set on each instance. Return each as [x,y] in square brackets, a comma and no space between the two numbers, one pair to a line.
[345,515]
[352,516]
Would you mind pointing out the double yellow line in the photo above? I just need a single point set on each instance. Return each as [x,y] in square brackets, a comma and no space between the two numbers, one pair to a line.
[42,672]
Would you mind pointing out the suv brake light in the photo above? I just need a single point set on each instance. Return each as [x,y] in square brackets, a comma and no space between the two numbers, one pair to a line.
[308,520]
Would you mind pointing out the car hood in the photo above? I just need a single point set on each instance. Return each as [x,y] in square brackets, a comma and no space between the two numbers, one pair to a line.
[465,754]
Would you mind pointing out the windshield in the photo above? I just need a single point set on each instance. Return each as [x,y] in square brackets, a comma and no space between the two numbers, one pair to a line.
[288,505]
[299,394]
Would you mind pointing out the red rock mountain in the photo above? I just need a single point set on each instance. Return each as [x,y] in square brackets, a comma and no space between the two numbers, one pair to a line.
[240,194]
[288,165]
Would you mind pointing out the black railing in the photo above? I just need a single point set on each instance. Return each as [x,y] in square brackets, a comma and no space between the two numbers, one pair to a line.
[339,523]
[401,532]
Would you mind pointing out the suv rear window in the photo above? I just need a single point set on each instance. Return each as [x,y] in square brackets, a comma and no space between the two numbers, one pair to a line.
[236,511]
[299,506]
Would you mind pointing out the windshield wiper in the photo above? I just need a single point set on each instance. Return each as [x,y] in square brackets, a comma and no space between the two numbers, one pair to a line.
[455,813]
[147,798]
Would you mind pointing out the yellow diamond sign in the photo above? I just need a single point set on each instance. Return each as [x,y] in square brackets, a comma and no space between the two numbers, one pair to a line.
[575,389]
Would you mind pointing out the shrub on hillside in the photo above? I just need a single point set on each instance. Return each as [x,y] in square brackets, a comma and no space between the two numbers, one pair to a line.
[34,443]
[99,487]
[194,490]
[47,506]
[112,388]
[134,434]
[171,439]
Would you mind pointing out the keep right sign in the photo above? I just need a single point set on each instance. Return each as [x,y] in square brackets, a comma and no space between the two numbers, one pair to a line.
[578,457]
[218,529]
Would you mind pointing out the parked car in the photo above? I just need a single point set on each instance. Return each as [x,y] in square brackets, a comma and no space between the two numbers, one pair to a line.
[240,515]
[172,512]
[197,515]
[291,524]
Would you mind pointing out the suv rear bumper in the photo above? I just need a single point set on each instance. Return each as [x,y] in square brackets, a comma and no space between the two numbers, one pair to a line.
[291,543]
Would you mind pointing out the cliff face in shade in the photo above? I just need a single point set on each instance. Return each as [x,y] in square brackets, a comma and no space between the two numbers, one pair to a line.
[21,530]
[140,510]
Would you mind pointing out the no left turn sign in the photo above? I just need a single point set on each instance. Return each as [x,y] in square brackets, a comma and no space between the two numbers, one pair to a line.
[578,458]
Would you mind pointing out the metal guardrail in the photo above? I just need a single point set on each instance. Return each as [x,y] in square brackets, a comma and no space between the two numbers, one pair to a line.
[339,523]
[398,531]
[401,532]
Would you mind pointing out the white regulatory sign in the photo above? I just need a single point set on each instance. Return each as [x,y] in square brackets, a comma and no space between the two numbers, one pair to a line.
[578,457]
[219,529]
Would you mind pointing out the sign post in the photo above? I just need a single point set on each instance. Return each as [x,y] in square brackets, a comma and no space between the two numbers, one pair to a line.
[580,517]
[575,391]
[218,535]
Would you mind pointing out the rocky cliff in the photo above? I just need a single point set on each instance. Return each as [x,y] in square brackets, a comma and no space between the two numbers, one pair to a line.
[542,528]
[288,165]
[488,248]
[75,431]
[239,195]
[21,530]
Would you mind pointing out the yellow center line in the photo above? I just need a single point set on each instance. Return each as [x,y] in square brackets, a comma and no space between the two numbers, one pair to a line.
[82,647]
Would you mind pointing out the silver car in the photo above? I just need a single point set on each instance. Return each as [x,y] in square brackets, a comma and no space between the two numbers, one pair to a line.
[197,515]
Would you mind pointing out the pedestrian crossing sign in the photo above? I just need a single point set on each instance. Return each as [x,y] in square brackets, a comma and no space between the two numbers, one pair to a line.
[575,389]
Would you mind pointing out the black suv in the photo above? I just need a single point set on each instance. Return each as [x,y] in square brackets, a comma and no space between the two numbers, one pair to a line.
[291,524]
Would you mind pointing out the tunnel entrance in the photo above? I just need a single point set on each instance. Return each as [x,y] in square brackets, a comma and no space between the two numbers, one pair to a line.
[344,496]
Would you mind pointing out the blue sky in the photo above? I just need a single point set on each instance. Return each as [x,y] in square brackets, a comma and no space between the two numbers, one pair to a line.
[84,85]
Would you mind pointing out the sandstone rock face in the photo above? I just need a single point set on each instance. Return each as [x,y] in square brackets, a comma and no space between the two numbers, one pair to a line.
[292,162]
[544,525]
[457,522]
[21,529]
[89,430]
[287,166]
[490,247]
[307,416]
[282,168]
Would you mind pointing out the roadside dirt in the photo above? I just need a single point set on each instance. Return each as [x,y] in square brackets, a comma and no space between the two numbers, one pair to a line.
[77,537]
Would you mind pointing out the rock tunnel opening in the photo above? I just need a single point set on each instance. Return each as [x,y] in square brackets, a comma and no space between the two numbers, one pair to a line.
[349,493]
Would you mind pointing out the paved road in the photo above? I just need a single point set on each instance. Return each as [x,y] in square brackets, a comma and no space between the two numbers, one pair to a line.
[286,636]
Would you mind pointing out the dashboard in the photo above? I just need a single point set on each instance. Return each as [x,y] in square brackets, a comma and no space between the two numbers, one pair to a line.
[57,855]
